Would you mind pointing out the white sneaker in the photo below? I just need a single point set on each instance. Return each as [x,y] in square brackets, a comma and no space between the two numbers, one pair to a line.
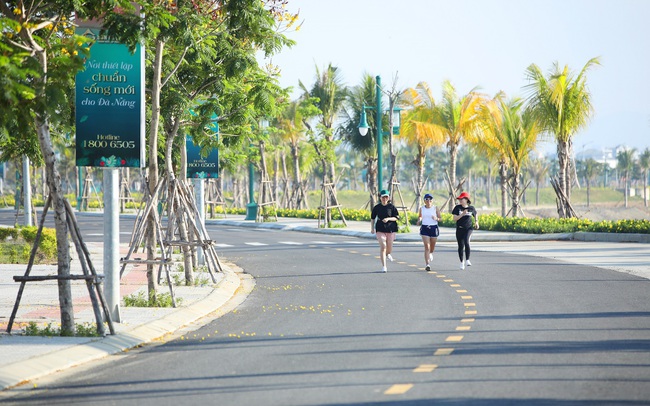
[384,270]
[427,268]
[390,258]
[430,256]
[462,265]
[468,263]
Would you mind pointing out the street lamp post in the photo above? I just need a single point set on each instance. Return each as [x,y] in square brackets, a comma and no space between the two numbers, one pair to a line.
[251,207]
[363,128]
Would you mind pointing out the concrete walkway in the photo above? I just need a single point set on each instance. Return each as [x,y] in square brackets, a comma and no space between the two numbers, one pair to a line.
[29,357]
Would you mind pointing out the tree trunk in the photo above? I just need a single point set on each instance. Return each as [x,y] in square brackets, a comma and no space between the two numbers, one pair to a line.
[297,180]
[488,184]
[60,225]
[645,188]
[371,176]
[515,194]
[503,179]
[153,167]
[42,125]
[276,176]
[453,150]
[421,159]
[563,156]
[626,187]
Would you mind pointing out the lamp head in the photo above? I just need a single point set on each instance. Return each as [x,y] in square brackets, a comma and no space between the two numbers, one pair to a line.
[363,123]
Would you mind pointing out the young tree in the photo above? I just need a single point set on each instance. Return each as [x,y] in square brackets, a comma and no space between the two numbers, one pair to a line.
[589,170]
[41,37]
[625,164]
[644,164]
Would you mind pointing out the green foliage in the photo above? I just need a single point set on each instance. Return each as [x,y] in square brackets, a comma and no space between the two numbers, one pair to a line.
[17,250]
[140,300]
[494,222]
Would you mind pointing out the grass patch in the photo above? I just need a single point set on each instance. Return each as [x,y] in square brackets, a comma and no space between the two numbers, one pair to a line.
[81,330]
[140,299]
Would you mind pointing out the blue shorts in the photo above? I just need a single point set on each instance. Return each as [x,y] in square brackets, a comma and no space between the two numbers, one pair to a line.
[430,231]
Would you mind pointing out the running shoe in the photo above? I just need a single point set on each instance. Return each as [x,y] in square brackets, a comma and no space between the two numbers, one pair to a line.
[468,263]
[427,268]
[462,265]
[390,258]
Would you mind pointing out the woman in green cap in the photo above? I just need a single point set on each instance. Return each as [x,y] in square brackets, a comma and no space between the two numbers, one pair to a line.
[383,223]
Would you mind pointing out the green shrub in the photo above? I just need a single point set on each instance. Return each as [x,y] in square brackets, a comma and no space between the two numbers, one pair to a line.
[6,232]
[18,249]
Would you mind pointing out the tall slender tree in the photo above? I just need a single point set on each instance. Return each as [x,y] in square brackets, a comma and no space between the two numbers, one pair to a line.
[589,169]
[561,102]
[625,164]
[644,164]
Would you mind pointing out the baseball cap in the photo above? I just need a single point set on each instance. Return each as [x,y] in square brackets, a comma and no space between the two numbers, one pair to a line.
[428,196]
[384,192]
[463,195]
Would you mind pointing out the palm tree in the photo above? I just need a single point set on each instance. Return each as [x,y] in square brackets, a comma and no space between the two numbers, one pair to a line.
[329,95]
[644,164]
[452,119]
[468,161]
[562,104]
[509,132]
[291,130]
[349,131]
[538,168]
[521,132]
[625,164]
[417,132]
[487,137]
[590,169]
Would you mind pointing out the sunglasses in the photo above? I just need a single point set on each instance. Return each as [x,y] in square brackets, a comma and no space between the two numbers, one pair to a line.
[428,198]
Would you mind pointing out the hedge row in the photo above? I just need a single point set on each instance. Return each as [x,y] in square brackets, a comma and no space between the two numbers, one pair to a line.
[494,222]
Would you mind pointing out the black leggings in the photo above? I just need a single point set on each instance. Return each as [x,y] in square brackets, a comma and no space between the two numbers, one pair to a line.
[462,237]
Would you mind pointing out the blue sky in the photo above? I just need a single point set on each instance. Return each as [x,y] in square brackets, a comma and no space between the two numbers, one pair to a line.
[489,44]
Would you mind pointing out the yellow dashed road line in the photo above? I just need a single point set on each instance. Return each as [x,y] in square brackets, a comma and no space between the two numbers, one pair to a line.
[443,351]
[398,389]
[454,339]
[426,368]
[463,328]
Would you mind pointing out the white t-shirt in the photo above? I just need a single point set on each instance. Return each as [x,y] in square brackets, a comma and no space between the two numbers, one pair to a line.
[429,216]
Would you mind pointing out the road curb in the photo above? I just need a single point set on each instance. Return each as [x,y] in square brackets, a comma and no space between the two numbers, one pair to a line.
[36,367]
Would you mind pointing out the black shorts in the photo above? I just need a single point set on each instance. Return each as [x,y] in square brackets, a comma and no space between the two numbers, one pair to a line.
[430,231]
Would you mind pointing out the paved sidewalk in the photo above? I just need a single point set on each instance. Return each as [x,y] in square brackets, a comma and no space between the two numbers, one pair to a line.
[26,357]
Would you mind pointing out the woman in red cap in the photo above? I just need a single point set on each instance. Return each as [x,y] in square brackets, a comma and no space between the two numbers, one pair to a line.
[466,219]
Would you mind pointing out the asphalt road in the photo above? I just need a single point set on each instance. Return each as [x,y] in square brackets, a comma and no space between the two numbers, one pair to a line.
[321,326]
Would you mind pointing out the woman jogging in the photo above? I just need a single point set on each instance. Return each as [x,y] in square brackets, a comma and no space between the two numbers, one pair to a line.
[428,217]
[466,220]
[385,215]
